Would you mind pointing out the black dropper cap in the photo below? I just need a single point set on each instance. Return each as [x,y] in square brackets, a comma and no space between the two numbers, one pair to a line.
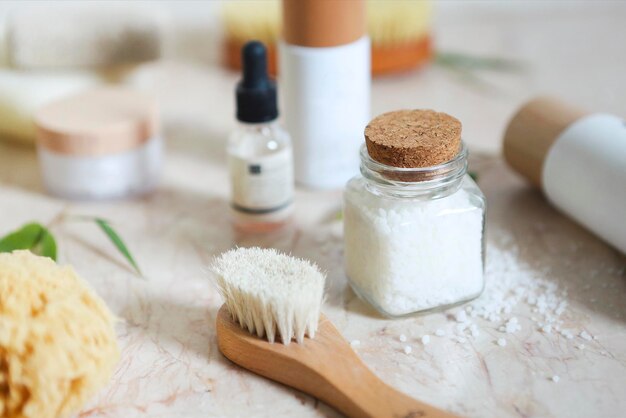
[256,93]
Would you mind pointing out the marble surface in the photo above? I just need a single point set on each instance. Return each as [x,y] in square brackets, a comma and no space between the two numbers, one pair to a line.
[170,363]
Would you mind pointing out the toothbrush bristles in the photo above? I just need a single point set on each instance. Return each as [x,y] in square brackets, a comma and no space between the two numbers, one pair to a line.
[270,294]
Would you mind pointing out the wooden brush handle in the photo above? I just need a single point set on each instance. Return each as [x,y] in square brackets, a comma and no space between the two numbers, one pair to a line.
[359,393]
[325,367]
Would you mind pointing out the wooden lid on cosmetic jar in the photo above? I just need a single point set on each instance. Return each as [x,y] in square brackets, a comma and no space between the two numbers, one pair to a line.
[532,131]
[102,121]
[413,138]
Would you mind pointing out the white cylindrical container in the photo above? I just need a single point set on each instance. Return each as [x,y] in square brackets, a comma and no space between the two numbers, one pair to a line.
[325,76]
[578,160]
[100,144]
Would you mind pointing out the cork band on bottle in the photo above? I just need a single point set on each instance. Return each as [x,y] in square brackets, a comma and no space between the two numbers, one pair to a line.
[323,23]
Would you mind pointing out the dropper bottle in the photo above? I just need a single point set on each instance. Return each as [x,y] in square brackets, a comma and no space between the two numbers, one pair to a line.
[259,151]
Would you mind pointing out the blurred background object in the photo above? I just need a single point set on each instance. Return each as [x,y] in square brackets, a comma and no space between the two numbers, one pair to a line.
[22,93]
[245,21]
[399,31]
[50,51]
[489,56]
[325,83]
[82,35]
[401,34]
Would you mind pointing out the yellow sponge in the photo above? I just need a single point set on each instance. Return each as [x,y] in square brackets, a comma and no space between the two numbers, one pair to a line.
[57,342]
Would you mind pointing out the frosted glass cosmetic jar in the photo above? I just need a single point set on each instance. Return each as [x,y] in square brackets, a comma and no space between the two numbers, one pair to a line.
[100,144]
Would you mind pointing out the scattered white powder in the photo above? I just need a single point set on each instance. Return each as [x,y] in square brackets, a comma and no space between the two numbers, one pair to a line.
[511,284]
[555,379]
[407,349]
[462,327]
[405,256]
[512,326]
[461,316]
[402,338]
[512,291]
[425,339]
[355,343]
[474,330]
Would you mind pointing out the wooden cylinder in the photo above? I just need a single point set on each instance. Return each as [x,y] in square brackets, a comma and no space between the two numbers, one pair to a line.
[323,23]
[532,131]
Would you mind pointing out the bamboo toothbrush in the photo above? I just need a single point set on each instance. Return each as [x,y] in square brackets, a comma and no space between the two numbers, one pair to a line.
[271,294]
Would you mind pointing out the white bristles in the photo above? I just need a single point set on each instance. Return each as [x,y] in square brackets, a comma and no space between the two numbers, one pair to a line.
[270,293]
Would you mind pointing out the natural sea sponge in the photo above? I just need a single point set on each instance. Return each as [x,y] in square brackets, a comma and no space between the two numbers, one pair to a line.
[57,342]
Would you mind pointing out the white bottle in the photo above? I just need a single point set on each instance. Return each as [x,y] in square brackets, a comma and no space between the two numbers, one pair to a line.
[259,151]
[324,60]
[578,160]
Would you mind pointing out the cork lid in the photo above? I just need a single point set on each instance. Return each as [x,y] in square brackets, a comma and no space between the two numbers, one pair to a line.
[413,138]
[322,23]
[102,121]
[532,131]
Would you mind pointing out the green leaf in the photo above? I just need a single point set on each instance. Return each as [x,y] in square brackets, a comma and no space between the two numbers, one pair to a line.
[117,241]
[471,62]
[46,246]
[34,237]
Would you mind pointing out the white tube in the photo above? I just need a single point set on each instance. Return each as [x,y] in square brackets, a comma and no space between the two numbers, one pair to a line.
[326,103]
[584,175]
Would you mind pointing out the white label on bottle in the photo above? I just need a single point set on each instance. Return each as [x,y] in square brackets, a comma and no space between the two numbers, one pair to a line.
[326,101]
[584,175]
[263,184]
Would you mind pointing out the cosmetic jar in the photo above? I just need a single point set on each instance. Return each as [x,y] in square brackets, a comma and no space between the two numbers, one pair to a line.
[414,236]
[100,144]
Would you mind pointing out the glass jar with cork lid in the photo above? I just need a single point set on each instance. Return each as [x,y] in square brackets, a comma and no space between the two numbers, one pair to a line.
[414,220]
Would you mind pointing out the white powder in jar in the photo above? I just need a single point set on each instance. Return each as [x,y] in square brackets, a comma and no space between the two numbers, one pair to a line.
[409,255]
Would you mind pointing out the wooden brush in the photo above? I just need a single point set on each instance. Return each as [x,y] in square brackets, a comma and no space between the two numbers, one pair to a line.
[269,293]
[399,31]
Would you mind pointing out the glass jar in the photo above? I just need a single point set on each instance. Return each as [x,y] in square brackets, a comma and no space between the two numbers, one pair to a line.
[414,237]
[103,143]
